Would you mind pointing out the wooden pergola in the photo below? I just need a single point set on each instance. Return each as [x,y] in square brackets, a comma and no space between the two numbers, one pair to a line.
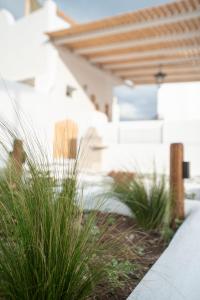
[135,46]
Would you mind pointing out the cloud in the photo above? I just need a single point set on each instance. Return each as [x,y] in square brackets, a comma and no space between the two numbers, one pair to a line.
[137,103]
[128,111]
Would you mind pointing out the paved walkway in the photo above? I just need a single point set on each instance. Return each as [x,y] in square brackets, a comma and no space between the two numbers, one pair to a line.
[176,275]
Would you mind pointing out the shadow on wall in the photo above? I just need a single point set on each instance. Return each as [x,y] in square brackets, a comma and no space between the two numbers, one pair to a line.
[90,81]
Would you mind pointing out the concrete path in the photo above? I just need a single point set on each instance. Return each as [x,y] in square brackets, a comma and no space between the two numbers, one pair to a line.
[176,275]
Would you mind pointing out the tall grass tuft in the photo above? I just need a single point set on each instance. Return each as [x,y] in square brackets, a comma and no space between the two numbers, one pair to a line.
[148,201]
[48,249]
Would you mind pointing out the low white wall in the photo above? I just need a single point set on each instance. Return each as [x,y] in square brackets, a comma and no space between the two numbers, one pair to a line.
[141,145]
[146,158]
[168,131]
[140,132]
[184,131]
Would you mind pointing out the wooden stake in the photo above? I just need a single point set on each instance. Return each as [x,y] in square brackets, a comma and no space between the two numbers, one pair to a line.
[17,157]
[176,181]
[107,111]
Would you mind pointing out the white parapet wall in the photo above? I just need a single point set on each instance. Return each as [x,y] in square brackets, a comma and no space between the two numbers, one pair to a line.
[140,132]
[145,145]
[146,158]
[158,131]
[184,131]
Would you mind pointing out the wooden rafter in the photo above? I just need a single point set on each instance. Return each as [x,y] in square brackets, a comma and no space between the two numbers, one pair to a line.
[152,61]
[182,50]
[129,18]
[165,44]
[167,80]
[65,17]
[170,69]
[126,44]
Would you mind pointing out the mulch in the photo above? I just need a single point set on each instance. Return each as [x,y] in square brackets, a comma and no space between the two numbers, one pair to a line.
[142,248]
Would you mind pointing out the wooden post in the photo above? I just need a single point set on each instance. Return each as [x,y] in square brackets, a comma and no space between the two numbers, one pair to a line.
[27,7]
[17,157]
[94,101]
[30,6]
[177,181]
[107,111]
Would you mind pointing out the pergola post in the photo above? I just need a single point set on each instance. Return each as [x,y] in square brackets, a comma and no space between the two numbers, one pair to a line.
[27,7]
[177,181]
[30,6]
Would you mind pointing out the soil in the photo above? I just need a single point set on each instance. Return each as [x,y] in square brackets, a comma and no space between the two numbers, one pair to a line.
[139,247]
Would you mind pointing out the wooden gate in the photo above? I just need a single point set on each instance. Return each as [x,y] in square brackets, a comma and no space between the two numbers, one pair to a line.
[65,139]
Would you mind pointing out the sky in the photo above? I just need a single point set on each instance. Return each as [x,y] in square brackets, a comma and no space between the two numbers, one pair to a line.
[139,103]
[135,103]
[86,10]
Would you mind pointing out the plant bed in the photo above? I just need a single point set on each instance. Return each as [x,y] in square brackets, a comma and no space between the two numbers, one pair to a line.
[51,248]
[139,251]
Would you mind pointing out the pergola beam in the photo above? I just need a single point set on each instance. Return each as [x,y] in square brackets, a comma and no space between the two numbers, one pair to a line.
[183,77]
[168,75]
[169,69]
[173,80]
[155,61]
[184,36]
[154,53]
[27,7]
[104,32]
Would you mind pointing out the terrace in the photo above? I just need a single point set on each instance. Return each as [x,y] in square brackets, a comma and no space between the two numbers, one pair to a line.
[91,207]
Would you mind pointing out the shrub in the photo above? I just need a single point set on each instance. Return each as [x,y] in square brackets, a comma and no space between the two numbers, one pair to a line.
[119,272]
[48,249]
[149,203]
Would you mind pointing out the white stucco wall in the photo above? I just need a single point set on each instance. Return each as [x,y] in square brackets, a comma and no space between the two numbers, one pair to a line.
[179,101]
[24,51]
[74,71]
[141,132]
[27,53]
[185,131]
[98,82]
[33,114]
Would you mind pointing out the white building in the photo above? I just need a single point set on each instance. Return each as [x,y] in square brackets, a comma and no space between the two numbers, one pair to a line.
[46,85]
[53,71]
